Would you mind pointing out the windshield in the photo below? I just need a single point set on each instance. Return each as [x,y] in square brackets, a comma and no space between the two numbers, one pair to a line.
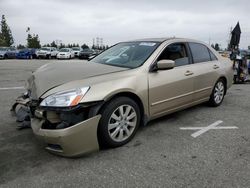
[45,49]
[76,49]
[3,49]
[64,50]
[127,54]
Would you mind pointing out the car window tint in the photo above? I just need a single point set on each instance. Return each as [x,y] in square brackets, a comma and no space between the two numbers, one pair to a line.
[176,52]
[200,52]
[212,56]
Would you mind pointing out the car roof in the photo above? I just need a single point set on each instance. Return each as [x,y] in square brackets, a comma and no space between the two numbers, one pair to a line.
[165,39]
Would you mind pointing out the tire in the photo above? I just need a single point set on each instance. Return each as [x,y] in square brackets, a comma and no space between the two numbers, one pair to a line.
[218,93]
[115,130]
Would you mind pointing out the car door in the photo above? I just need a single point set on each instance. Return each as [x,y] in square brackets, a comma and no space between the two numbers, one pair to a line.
[205,70]
[172,89]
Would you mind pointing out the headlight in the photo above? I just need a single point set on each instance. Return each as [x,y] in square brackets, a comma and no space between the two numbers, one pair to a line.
[65,98]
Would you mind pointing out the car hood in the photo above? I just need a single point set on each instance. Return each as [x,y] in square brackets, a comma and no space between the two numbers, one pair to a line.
[63,53]
[54,74]
[2,52]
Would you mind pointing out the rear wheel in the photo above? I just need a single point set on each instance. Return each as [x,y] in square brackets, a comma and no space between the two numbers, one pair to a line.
[218,93]
[119,122]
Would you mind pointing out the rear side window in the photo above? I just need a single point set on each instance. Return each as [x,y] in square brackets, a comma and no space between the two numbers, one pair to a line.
[176,52]
[200,52]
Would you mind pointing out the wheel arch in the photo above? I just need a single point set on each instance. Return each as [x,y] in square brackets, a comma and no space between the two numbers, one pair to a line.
[225,81]
[132,96]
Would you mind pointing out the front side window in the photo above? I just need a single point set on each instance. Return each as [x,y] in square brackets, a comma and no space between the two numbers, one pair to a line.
[127,54]
[212,56]
[200,52]
[176,52]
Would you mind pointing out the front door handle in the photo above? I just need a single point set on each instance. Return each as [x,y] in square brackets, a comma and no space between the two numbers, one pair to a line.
[216,67]
[188,73]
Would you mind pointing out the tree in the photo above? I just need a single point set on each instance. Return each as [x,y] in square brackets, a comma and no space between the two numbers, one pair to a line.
[248,47]
[212,45]
[84,46]
[53,44]
[62,45]
[33,41]
[6,38]
[217,47]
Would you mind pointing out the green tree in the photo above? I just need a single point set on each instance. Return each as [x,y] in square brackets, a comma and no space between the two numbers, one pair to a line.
[212,45]
[62,45]
[6,38]
[33,41]
[53,44]
[84,46]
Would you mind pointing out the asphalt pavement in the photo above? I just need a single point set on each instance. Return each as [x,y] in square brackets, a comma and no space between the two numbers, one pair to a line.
[163,154]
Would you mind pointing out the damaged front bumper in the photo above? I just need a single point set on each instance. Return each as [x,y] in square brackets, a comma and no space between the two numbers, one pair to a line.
[72,141]
[66,132]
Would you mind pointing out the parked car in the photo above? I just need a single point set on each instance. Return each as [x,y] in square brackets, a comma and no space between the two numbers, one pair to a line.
[78,107]
[65,53]
[27,53]
[76,51]
[47,52]
[87,53]
[7,52]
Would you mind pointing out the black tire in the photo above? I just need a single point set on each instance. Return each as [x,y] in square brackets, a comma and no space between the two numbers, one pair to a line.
[104,137]
[212,100]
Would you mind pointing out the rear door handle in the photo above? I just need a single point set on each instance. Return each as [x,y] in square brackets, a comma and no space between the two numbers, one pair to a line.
[216,67]
[188,73]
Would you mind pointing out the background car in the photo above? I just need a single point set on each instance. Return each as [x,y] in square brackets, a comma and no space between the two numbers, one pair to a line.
[7,52]
[47,52]
[65,53]
[26,53]
[87,53]
[76,51]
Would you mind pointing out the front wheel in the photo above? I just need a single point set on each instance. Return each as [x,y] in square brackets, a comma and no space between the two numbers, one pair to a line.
[119,122]
[218,93]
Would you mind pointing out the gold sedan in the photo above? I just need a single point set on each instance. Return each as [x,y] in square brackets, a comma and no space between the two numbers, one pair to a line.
[79,107]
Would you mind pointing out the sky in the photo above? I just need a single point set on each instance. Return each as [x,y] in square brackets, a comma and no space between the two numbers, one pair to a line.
[79,21]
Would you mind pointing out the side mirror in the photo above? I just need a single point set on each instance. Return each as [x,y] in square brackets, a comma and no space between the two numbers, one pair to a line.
[163,64]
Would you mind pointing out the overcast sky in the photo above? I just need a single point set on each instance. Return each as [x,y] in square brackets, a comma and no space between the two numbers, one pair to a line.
[79,21]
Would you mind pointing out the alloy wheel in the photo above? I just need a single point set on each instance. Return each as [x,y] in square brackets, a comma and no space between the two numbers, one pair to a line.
[122,123]
[219,92]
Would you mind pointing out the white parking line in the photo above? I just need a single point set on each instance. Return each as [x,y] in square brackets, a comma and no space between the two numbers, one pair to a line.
[202,130]
[11,88]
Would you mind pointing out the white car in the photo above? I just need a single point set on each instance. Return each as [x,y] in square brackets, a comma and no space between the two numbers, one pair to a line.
[47,52]
[76,51]
[65,53]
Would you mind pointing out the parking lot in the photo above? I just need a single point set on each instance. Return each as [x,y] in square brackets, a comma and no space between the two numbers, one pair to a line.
[162,154]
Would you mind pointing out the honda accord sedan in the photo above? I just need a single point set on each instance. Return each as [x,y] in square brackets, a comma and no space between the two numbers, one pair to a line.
[80,107]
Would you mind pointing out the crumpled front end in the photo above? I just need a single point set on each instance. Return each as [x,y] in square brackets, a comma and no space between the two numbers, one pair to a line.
[72,141]
[65,131]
